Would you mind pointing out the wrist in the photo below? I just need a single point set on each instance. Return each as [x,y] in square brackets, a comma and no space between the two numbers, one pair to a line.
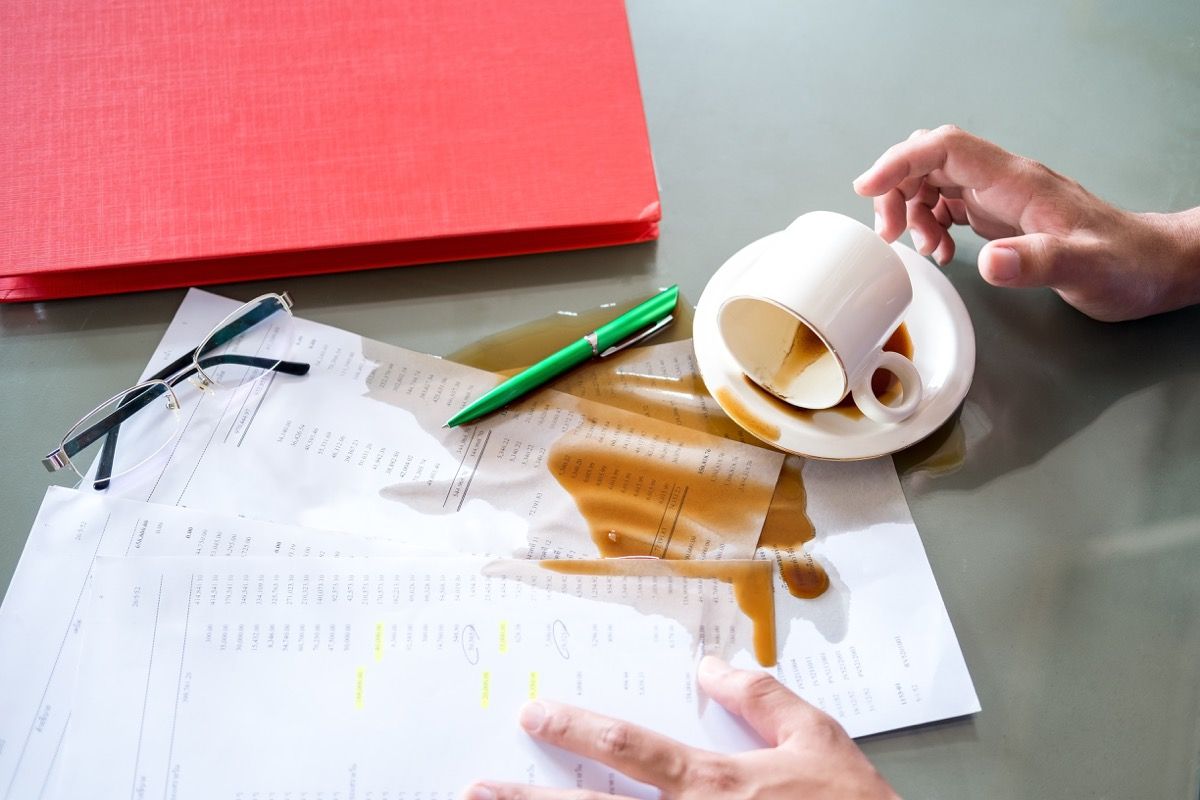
[1165,256]
[1173,240]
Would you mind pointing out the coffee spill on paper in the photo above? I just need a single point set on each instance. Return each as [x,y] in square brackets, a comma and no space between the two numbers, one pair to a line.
[787,529]
[682,401]
[752,581]
[631,513]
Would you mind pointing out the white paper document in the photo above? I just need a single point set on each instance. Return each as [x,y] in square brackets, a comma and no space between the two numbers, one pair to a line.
[876,649]
[413,681]
[359,444]
[383,678]
[42,618]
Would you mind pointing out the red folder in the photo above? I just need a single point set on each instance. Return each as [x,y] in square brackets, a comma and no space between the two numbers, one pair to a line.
[150,143]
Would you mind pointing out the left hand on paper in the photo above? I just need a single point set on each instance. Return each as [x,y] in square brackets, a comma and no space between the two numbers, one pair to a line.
[809,754]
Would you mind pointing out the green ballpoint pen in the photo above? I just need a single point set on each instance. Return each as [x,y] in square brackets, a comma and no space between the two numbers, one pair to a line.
[635,325]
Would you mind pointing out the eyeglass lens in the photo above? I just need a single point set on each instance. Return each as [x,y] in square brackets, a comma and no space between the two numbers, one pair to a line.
[149,420]
[248,344]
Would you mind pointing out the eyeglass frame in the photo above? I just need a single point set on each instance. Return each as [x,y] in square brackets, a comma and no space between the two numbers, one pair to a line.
[139,395]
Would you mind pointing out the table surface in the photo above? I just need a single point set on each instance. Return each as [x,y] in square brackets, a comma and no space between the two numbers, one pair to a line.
[1060,510]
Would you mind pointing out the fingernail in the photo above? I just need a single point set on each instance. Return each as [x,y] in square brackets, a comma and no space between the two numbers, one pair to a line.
[1006,264]
[919,240]
[532,716]
[479,792]
[879,224]
[713,667]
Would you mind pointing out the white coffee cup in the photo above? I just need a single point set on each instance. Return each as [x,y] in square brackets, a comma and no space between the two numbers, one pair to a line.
[808,319]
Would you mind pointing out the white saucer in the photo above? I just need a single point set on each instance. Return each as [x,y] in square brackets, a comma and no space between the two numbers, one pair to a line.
[943,350]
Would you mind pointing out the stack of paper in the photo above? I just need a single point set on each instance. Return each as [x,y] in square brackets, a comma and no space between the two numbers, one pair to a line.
[372,618]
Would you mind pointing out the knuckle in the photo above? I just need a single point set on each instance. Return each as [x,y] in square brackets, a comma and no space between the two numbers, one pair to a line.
[949,131]
[673,767]
[557,726]
[716,776]
[824,727]
[616,739]
[757,685]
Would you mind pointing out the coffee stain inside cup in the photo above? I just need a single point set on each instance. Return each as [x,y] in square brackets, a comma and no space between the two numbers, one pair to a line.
[805,350]
[883,383]
[752,581]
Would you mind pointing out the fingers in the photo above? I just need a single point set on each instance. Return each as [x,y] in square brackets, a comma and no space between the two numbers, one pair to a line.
[641,754]
[947,157]
[1036,259]
[944,253]
[891,217]
[926,231]
[518,791]
[773,710]
[915,194]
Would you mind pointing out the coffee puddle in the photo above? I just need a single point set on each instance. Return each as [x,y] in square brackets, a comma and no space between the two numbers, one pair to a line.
[941,452]
[752,583]
[679,397]
[668,511]
[516,348]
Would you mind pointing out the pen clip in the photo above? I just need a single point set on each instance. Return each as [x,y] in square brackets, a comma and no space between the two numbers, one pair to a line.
[639,337]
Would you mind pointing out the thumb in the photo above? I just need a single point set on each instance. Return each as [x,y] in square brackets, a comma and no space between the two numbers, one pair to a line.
[1036,259]
[772,710]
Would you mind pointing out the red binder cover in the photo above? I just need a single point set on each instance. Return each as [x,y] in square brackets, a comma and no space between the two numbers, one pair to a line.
[150,143]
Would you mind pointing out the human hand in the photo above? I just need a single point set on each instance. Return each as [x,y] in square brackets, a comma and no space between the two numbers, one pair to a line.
[808,753]
[1047,229]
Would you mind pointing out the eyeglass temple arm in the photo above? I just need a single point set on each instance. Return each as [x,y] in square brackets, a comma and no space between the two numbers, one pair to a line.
[111,424]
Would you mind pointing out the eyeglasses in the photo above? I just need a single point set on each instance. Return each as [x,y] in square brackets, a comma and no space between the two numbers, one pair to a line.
[247,345]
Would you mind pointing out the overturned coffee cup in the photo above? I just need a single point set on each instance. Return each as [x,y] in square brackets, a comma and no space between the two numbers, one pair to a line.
[807,321]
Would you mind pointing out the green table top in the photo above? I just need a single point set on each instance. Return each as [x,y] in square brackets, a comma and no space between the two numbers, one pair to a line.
[1061,512]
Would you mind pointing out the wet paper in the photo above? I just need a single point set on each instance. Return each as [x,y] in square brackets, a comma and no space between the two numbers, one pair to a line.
[359,444]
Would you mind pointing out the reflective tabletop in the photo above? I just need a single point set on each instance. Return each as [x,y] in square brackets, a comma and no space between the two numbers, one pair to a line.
[1060,507]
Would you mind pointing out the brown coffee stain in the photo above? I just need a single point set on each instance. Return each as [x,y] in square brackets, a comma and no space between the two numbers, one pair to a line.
[743,416]
[626,381]
[787,529]
[940,452]
[630,512]
[805,350]
[752,581]
[683,400]
[883,384]
[511,350]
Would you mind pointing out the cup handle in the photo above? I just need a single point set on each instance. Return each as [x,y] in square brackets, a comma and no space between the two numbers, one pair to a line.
[910,387]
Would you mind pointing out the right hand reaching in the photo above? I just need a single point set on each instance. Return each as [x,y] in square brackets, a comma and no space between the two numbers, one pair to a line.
[1047,230]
